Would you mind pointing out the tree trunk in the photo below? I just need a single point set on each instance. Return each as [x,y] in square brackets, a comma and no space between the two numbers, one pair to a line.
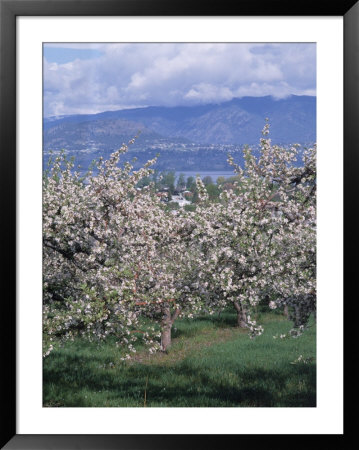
[166,336]
[166,326]
[297,316]
[241,315]
[286,311]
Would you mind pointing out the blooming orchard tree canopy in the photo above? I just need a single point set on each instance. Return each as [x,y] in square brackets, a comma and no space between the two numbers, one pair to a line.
[112,255]
[259,241]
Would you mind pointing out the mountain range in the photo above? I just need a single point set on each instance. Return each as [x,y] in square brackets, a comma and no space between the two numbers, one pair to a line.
[174,130]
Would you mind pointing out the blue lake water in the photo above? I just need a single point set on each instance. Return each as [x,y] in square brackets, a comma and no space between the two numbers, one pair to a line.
[213,174]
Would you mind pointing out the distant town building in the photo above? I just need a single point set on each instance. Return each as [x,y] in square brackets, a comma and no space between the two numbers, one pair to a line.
[180,200]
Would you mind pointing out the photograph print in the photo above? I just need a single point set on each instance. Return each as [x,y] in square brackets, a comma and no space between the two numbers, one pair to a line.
[179,224]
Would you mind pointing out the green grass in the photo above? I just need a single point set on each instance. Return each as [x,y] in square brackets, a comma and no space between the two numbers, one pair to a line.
[210,364]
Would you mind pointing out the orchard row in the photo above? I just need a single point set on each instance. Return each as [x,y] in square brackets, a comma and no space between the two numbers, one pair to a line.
[117,262]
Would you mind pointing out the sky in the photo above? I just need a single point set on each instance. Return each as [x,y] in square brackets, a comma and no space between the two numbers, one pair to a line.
[91,78]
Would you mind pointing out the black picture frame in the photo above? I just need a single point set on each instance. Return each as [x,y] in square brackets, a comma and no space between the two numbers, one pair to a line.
[9,10]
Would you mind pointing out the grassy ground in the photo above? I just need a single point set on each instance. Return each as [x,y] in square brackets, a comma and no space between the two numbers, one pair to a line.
[210,364]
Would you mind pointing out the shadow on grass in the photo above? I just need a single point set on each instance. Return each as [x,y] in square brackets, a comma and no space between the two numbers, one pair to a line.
[67,378]
[189,328]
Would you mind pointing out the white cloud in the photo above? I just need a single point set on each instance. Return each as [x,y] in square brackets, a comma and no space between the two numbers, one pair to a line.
[205,92]
[129,75]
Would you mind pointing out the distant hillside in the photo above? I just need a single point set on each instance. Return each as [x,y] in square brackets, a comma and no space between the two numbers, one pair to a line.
[99,134]
[238,121]
[174,130]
